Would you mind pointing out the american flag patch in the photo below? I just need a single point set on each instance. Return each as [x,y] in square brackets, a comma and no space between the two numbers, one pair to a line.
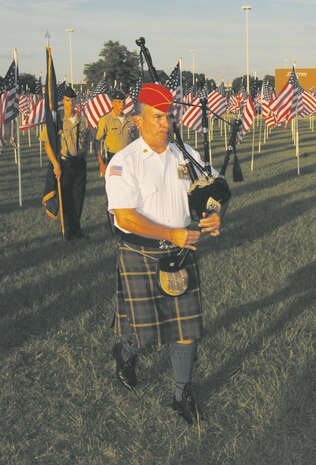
[116,170]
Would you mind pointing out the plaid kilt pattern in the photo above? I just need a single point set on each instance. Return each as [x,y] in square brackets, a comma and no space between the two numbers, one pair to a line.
[143,312]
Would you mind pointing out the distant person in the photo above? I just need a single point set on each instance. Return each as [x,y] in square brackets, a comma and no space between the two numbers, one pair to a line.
[116,129]
[70,164]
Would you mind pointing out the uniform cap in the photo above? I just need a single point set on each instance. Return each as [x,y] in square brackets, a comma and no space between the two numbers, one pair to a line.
[155,96]
[70,93]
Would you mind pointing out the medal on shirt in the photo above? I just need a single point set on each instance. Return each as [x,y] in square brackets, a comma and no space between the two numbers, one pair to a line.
[183,172]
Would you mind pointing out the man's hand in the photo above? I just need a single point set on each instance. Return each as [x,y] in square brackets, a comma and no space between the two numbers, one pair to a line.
[185,238]
[102,165]
[210,224]
[57,171]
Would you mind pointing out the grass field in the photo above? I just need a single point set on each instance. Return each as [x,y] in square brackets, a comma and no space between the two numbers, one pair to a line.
[255,376]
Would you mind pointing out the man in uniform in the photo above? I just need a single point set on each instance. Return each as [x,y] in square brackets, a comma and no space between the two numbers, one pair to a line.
[147,187]
[70,166]
[116,129]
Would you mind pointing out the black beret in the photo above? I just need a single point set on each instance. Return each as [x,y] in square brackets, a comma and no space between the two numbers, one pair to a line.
[70,93]
[117,95]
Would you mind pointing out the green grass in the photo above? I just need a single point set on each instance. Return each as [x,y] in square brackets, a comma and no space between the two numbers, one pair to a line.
[60,402]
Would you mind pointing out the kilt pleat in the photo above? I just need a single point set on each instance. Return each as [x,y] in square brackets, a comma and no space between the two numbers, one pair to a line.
[143,312]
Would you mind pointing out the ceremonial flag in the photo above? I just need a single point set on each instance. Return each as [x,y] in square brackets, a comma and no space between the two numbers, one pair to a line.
[99,103]
[53,126]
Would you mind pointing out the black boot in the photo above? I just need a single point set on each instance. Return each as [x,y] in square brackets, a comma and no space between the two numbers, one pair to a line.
[125,370]
[186,407]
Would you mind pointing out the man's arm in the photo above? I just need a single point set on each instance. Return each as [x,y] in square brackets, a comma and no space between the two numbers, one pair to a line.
[131,220]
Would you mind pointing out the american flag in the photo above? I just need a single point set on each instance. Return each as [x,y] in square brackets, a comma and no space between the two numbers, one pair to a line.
[249,114]
[24,107]
[37,116]
[60,94]
[267,114]
[193,115]
[192,118]
[99,103]
[132,97]
[3,102]
[217,101]
[173,84]
[11,105]
[285,105]
[309,102]
[37,95]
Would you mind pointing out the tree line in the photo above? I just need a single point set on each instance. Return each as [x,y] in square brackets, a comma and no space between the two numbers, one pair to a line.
[121,67]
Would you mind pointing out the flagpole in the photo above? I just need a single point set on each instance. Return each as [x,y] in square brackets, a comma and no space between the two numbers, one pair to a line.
[15,54]
[297,144]
[253,146]
[181,97]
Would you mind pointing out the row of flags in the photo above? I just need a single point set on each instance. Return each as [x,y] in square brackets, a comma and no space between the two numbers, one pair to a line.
[275,109]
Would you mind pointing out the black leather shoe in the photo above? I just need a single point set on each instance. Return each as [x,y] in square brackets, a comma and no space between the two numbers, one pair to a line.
[125,370]
[186,407]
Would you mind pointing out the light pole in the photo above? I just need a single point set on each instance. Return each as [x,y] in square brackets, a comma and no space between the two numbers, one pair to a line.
[246,8]
[193,63]
[69,30]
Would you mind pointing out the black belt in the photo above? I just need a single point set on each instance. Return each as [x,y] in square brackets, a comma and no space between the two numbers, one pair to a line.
[145,241]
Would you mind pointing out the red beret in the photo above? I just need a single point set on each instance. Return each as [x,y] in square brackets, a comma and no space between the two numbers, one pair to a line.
[155,96]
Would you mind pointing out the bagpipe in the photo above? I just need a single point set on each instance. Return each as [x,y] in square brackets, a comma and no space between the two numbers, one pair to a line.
[208,193]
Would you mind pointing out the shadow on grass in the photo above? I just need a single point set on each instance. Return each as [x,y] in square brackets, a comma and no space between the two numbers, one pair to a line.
[251,224]
[33,308]
[301,287]
[289,434]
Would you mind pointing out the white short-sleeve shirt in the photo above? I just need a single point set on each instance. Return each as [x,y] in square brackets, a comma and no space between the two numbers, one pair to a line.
[154,184]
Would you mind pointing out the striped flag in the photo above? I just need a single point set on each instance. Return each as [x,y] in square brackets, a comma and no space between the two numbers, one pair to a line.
[285,104]
[99,103]
[217,102]
[24,108]
[9,94]
[37,116]
[3,103]
[309,102]
[249,114]
[173,84]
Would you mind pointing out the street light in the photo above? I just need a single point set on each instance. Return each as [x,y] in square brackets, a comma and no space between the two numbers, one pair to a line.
[246,8]
[69,30]
[193,52]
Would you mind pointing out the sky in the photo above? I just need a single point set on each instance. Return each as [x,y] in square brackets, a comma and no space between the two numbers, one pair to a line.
[280,33]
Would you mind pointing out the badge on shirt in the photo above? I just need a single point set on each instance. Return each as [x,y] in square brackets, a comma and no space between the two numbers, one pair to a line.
[183,172]
[116,170]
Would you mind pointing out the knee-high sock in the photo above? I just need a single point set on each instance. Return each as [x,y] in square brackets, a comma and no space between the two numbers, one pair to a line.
[182,358]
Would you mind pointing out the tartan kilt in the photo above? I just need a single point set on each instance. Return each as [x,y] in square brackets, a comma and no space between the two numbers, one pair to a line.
[143,312]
